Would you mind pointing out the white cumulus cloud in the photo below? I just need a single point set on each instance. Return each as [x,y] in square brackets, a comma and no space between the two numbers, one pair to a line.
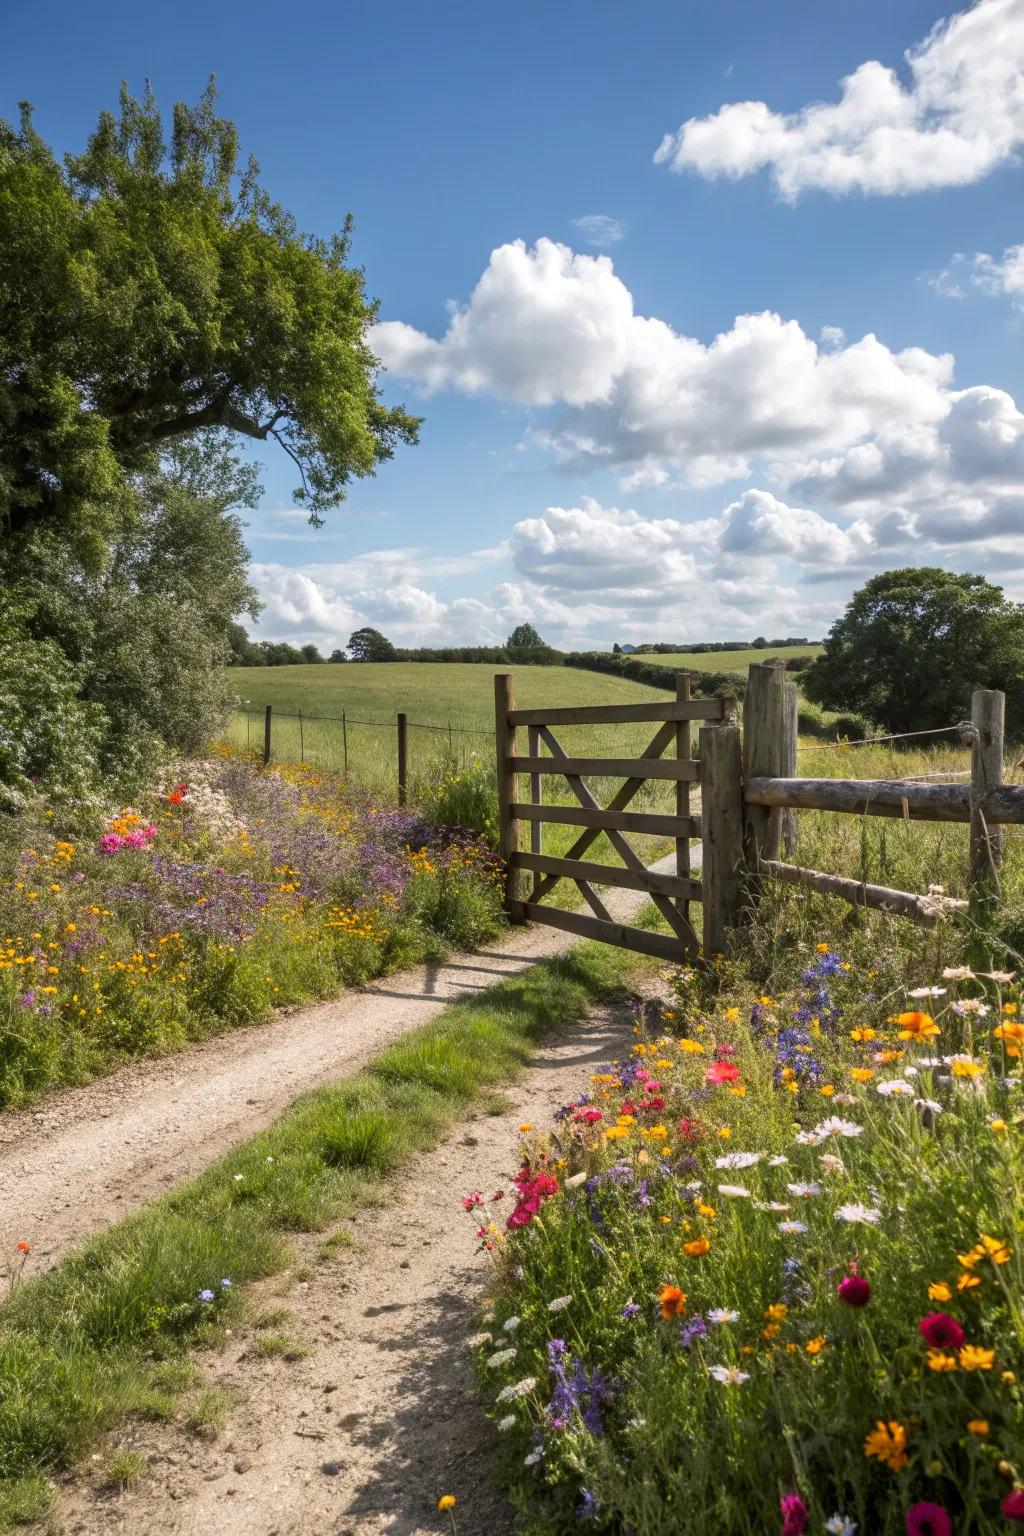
[960,115]
[996,276]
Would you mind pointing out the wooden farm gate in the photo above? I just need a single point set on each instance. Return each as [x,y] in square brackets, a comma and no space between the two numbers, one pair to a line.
[719,824]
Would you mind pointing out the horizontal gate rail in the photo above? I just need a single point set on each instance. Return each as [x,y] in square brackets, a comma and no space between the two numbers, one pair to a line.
[622,714]
[1000,805]
[921,909]
[661,945]
[608,820]
[609,874]
[606,767]
[546,758]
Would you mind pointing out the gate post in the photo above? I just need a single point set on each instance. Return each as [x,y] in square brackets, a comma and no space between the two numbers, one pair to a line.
[721,792]
[505,739]
[988,707]
[766,716]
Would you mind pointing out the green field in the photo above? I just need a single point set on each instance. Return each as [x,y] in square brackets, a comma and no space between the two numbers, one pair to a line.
[450,708]
[729,661]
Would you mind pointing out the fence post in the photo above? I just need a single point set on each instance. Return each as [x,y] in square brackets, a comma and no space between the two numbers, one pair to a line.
[344,740]
[790,826]
[765,755]
[403,758]
[684,749]
[505,738]
[721,782]
[266,737]
[988,708]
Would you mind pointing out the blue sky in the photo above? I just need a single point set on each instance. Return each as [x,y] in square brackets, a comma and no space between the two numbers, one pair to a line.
[591,458]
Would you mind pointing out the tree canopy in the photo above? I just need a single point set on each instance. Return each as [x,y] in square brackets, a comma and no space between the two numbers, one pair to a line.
[368,644]
[151,291]
[912,646]
[523,638]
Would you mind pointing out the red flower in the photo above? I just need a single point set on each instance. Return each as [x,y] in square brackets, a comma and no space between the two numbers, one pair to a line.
[794,1514]
[657,1103]
[24,1247]
[627,1107]
[588,1116]
[532,1191]
[470,1202]
[940,1331]
[1013,1505]
[690,1130]
[721,1072]
[854,1290]
[927,1519]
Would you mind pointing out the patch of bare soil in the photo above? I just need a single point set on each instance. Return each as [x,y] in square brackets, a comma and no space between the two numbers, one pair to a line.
[363,1435]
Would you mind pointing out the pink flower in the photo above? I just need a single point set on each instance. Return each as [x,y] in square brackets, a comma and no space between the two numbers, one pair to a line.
[940,1331]
[134,840]
[854,1290]
[794,1514]
[1013,1505]
[721,1072]
[110,842]
[470,1202]
[927,1519]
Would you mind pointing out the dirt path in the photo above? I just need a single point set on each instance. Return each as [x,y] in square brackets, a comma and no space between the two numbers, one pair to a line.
[90,1155]
[362,1436]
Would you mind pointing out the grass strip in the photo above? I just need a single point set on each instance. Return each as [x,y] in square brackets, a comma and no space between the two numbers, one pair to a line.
[103,1336]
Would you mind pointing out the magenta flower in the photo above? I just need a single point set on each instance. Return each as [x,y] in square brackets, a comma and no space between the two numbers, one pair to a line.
[926,1519]
[940,1331]
[794,1514]
[854,1290]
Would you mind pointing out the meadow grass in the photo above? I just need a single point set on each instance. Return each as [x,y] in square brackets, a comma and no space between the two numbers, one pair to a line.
[728,661]
[103,1337]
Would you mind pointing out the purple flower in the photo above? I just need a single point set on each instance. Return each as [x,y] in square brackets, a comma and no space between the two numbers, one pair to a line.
[206,1296]
[630,1310]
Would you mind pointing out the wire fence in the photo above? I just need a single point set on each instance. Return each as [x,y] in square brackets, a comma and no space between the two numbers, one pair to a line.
[388,753]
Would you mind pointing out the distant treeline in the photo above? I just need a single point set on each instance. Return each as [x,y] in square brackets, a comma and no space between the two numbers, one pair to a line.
[706,647]
[278,653]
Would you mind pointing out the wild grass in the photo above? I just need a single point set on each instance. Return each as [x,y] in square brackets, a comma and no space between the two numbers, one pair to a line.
[729,661]
[103,1337]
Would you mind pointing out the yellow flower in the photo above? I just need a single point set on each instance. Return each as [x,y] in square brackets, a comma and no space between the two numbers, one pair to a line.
[939,1361]
[732,1015]
[977,1427]
[698,1248]
[998,1127]
[778,1312]
[770,1330]
[974,1358]
[940,1291]
[888,1444]
[724,1131]
[706,1210]
[917,1026]
[616,1132]
[822,949]
[862,1033]
[862,1074]
[738,1090]
[967,1068]
[526,1126]
[995,1248]
[815,1346]
[826,1090]
[967,1281]
[694,1047]
[446,1501]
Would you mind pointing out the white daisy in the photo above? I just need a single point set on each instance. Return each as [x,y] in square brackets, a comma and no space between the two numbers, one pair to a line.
[838,1525]
[928,1104]
[1001,977]
[894,1088]
[723,1315]
[517,1389]
[771,1205]
[866,1215]
[958,973]
[804,1191]
[728,1374]
[832,1164]
[928,992]
[738,1159]
[836,1126]
[792,1228]
[734,1191]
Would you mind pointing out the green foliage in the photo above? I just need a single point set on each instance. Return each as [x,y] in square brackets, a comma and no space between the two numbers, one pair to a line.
[100,1337]
[914,643]
[46,730]
[524,638]
[458,794]
[369,644]
[150,291]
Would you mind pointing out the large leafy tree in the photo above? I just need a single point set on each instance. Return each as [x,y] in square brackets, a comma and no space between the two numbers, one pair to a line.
[151,291]
[914,643]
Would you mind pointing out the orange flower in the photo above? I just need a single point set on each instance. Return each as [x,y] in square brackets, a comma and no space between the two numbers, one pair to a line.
[24,1247]
[673,1301]
[888,1444]
[917,1026]
[698,1248]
